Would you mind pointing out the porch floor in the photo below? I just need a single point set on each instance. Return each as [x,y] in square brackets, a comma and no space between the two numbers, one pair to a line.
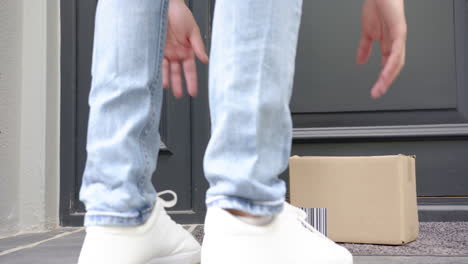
[438,243]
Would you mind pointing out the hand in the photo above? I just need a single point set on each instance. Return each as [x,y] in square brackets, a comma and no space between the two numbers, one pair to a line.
[183,43]
[384,20]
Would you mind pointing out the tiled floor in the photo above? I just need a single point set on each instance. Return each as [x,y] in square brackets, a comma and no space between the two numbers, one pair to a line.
[63,246]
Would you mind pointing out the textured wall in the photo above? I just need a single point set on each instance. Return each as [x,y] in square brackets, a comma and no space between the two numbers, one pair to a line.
[10,89]
[29,115]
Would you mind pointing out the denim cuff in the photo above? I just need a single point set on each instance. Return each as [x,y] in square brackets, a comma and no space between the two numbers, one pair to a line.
[247,206]
[115,220]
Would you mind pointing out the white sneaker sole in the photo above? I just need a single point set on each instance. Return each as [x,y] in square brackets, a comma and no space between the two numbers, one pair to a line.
[192,257]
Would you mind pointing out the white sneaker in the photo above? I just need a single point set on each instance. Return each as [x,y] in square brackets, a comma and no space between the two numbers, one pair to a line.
[288,239]
[158,241]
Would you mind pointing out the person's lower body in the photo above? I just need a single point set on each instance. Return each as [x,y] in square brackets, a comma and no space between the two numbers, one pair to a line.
[125,220]
[251,75]
[252,65]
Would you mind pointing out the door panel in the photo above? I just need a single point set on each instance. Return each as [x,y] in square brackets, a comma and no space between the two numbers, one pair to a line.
[424,113]
[173,171]
[331,90]
[328,80]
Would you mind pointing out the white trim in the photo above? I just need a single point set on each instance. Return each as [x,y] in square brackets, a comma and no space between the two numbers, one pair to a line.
[52,167]
[381,131]
[39,128]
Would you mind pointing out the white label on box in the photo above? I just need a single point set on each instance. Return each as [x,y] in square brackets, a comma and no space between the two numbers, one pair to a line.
[317,217]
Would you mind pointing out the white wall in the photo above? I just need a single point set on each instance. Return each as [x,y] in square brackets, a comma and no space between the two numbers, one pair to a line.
[29,165]
[10,88]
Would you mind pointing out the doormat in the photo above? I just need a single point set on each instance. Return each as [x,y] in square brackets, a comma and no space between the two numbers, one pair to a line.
[435,239]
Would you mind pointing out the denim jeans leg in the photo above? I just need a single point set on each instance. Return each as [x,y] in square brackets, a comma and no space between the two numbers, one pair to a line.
[251,77]
[125,104]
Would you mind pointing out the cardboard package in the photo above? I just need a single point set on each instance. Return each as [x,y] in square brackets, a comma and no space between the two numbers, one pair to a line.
[368,199]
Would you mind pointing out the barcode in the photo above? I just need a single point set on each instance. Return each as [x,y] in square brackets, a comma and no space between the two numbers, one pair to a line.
[317,217]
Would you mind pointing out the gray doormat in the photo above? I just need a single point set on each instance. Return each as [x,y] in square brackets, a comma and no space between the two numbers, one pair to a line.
[435,239]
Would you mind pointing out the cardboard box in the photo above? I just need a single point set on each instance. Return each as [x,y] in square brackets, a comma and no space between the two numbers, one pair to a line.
[368,199]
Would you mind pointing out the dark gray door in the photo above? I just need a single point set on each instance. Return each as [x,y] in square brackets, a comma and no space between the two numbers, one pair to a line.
[174,169]
[425,112]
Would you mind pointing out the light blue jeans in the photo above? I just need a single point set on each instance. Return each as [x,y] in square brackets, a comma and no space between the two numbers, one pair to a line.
[251,76]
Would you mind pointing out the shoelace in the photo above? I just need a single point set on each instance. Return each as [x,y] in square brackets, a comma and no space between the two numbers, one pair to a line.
[301,216]
[167,203]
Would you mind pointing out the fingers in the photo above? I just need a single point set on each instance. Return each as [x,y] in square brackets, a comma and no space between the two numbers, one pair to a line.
[172,69]
[385,49]
[176,79]
[190,72]
[364,50]
[391,69]
[198,46]
[165,73]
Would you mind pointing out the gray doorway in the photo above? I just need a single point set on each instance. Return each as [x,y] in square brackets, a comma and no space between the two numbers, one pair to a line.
[425,113]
